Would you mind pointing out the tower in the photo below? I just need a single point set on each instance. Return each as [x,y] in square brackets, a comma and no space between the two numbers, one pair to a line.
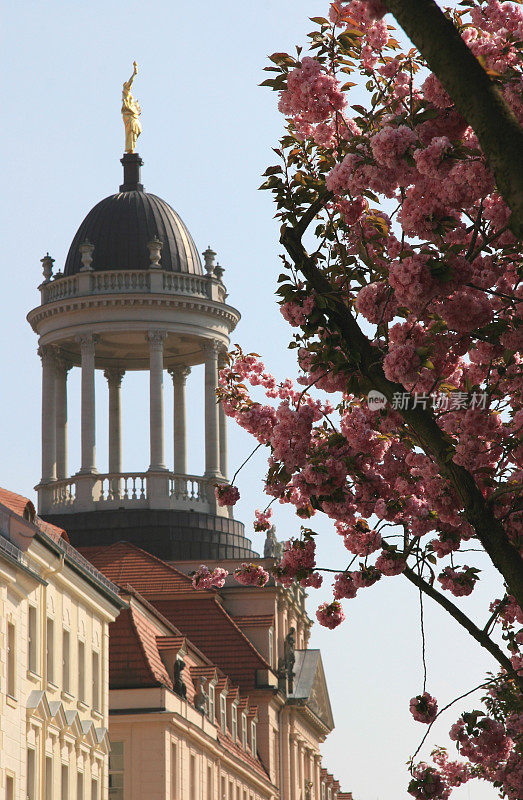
[133,295]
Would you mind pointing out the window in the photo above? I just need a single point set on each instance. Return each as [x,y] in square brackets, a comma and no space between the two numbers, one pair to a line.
[231,790]
[65,783]
[211,703]
[79,786]
[322,791]
[96,679]
[81,671]
[116,771]
[50,650]
[11,659]
[223,713]
[66,649]
[32,644]
[244,731]
[234,722]
[31,774]
[9,787]
[253,738]
[49,778]
[271,646]
[94,789]
[173,772]
[224,790]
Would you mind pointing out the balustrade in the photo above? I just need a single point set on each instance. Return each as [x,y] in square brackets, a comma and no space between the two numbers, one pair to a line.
[131,490]
[128,281]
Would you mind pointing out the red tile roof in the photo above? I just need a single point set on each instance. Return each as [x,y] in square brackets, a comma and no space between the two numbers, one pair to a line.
[24,508]
[134,660]
[208,625]
[123,563]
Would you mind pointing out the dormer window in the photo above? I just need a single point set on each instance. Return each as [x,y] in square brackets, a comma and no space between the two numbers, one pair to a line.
[244,731]
[234,722]
[253,738]
[212,700]
[223,713]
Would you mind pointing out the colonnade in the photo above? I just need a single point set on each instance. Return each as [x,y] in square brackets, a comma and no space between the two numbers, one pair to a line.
[54,411]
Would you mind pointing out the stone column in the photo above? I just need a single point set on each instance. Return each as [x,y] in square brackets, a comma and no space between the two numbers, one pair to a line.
[212,443]
[48,356]
[222,421]
[179,375]
[62,368]
[114,377]
[87,348]
[156,340]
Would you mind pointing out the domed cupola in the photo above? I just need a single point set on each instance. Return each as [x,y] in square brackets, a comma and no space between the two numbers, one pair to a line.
[121,226]
[132,296]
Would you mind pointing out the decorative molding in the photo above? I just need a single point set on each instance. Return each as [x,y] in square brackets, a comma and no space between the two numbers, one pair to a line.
[156,339]
[69,305]
[48,353]
[87,342]
[179,372]
[114,376]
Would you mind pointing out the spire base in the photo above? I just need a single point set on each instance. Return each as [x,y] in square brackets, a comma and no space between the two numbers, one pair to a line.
[131,173]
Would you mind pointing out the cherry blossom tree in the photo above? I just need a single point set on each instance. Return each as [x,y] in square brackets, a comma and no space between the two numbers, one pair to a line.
[400,218]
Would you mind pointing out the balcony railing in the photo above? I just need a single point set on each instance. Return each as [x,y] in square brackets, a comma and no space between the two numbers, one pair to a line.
[116,490]
[151,281]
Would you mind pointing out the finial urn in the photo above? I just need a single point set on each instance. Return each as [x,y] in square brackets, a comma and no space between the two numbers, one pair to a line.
[86,253]
[155,252]
[47,267]
[209,260]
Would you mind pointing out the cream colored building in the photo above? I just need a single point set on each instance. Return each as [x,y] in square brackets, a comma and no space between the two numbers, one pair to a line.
[55,610]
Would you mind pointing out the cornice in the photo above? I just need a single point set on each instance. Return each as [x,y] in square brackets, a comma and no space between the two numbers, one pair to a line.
[72,305]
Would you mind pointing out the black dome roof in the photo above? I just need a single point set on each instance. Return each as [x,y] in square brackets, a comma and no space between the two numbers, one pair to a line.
[120,226]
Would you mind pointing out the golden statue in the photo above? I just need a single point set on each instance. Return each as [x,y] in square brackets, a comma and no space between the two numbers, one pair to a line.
[130,112]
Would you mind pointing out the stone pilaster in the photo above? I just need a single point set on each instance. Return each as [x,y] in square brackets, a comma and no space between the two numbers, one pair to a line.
[212,444]
[179,375]
[156,340]
[62,367]
[114,377]
[48,355]
[88,419]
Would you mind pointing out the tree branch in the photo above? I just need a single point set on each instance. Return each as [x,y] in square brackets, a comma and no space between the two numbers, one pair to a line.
[475,95]
[366,360]
[479,635]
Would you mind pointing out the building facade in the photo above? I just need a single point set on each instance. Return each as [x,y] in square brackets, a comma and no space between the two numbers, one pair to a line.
[55,611]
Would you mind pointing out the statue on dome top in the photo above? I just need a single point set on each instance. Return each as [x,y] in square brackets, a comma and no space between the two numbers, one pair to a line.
[130,112]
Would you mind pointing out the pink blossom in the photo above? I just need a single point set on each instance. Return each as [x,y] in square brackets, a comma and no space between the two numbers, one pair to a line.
[390,145]
[459,581]
[401,364]
[262,520]
[311,94]
[251,575]
[390,563]
[375,302]
[424,708]
[204,578]
[226,494]
[344,586]
[330,615]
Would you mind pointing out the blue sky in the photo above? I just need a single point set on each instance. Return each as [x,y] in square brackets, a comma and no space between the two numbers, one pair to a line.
[207,135]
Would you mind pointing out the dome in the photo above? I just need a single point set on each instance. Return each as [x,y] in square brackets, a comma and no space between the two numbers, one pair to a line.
[120,227]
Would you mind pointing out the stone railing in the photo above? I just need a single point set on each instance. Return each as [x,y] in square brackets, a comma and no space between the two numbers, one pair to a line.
[153,281]
[116,490]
